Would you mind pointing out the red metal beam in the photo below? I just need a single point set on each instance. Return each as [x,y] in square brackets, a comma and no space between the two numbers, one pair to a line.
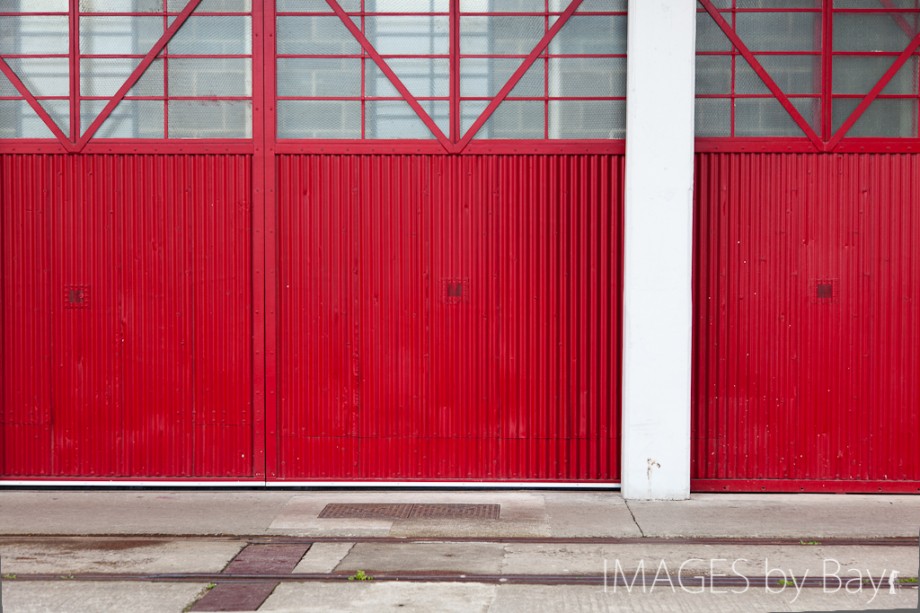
[899,19]
[263,232]
[762,73]
[455,126]
[74,67]
[518,74]
[873,93]
[138,72]
[395,80]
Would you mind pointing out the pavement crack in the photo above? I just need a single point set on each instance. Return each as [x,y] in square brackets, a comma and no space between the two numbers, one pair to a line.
[635,521]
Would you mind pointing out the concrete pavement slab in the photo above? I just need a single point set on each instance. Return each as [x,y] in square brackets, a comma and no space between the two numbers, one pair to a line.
[522,514]
[469,529]
[389,596]
[133,512]
[86,597]
[474,558]
[781,516]
[588,514]
[323,557]
[537,599]
[696,559]
[95,555]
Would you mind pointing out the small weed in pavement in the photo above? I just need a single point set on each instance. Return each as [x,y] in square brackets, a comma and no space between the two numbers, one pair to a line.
[809,542]
[200,595]
[360,576]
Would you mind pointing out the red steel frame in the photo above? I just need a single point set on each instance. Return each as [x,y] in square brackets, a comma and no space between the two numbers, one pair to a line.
[749,203]
[264,147]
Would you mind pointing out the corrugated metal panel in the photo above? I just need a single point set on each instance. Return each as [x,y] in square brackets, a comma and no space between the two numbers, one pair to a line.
[807,294]
[27,186]
[126,316]
[450,317]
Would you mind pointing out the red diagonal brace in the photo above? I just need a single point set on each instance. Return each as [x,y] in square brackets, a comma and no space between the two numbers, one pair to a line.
[874,92]
[899,18]
[36,106]
[518,74]
[385,69]
[138,72]
[762,73]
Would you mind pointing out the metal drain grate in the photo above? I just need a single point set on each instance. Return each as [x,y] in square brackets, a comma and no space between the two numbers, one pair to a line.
[410,511]
[365,511]
[455,511]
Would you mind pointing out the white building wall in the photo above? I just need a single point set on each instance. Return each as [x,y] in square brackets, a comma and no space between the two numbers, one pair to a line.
[657,314]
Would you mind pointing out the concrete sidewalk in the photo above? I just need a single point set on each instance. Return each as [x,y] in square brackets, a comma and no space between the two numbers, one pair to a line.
[540,550]
[555,514]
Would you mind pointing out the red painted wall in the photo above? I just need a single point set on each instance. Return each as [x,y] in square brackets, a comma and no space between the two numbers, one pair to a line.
[126,316]
[385,376]
[807,369]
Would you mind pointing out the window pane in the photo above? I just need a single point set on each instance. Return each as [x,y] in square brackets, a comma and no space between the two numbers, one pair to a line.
[18,120]
[119,35]
[210,77]
[500,35]
[213,36]
[330,119]
[713,74]
[315,36]
[763,117]
[34,35]
[408,35]
[794,74]
[515,120]
[872,31]
[587,119]
[394,119]
[588,77]
[423,77]
[130,119]
[210,119]
[43,76]
[319,77]
[591,34]
[883,118]
[780,31]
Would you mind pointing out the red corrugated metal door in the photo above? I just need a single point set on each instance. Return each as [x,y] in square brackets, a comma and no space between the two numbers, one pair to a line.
[807,324]
[450,317]
[126,316]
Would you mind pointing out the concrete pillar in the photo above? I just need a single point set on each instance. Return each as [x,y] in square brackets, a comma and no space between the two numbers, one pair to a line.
[657,307]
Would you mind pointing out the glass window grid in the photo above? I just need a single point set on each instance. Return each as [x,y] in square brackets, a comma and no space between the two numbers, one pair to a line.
[364,14]
[166,12]
[548,11]
[552,90]
[818,108]
[39,15]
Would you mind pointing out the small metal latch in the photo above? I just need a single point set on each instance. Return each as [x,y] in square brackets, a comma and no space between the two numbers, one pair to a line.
[456,291]
[76,297]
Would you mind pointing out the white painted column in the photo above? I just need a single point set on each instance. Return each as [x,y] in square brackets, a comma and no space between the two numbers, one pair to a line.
[657,307]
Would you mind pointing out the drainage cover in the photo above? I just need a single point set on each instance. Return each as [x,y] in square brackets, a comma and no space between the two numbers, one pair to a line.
[410,511]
